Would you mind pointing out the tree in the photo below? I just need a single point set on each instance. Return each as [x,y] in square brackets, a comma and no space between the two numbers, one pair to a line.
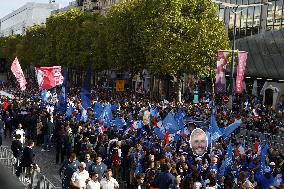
[124,53]
[31,49]
[8,46]
[179,36]
[173,37]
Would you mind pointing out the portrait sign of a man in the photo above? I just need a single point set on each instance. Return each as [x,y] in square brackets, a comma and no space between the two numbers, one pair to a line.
[198,142]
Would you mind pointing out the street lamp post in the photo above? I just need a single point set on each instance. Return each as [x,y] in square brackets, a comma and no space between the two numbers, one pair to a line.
[235,11]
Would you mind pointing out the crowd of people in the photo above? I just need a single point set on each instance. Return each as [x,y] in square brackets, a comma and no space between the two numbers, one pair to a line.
[96,154]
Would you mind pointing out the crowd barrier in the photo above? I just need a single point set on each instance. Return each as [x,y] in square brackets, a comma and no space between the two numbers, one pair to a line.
[32,179]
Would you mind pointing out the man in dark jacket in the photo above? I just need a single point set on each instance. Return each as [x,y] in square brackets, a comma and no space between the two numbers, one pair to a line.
[67,169]
[17,147]
[165,178]
[27,160]
[48,129]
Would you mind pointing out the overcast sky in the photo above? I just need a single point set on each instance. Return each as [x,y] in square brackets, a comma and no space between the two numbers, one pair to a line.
[7,6]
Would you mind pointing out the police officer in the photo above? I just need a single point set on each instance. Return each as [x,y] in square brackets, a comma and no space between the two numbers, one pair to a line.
[67,169]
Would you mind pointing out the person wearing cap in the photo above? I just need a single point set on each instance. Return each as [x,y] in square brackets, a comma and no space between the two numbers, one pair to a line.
[198,142]
[79,178]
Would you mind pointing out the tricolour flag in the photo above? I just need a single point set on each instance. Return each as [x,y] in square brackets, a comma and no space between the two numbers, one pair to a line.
[18,73]
[49,77]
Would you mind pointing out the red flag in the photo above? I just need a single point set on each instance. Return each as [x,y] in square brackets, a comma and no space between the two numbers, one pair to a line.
[18,72]
[49,77]
[242,57]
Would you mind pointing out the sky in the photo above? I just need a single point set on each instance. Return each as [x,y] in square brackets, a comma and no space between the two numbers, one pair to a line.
[7,6]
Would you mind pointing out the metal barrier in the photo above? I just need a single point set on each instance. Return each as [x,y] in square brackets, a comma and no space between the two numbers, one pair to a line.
[32,179]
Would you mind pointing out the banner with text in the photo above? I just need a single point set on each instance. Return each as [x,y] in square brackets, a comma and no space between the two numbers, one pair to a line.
[242,61]
[220,72]
[49,77]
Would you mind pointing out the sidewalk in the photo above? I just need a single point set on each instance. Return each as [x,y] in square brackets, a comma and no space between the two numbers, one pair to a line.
[46,162]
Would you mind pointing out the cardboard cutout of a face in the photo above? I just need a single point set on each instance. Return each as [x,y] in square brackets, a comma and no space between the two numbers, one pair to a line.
[198,142]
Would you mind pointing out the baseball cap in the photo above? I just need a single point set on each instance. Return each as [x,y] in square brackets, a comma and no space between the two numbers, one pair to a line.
[272,164]
[198,159]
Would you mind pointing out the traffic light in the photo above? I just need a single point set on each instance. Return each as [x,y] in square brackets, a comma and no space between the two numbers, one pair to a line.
[2,65]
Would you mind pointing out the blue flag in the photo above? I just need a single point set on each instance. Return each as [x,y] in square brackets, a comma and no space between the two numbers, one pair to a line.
[170,123]
[85,98]
[262,158]
[107,115]
[228,161]
[118,122]
[69,111]
[213,130]
[86,89]
[154,112]
[44,97]
[98,109]
[159,133]
[84,116]
[231,128]
[62,105]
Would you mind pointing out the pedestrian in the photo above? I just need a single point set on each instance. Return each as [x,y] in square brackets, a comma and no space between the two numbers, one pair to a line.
[140,182]
[88,161]
[98,167]
[67,169]
[17,148]
[59,143]
[93,182]
[39,129]
[109,182]
[48,129]
[27,159]
[79,178]
[21,132]
[2,128]
[165,178]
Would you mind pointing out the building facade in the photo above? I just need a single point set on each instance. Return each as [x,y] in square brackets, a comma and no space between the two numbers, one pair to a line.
[253,20]
[26,16]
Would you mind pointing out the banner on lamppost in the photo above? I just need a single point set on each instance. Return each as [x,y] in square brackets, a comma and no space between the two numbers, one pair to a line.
[242,59]
[220,72]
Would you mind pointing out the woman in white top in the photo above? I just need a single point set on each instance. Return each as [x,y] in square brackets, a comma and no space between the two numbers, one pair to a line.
[94,183]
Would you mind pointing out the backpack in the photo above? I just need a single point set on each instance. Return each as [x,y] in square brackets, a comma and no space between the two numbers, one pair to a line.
[115,160]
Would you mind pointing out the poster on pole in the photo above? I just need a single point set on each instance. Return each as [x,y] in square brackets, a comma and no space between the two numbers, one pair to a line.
[119,85]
